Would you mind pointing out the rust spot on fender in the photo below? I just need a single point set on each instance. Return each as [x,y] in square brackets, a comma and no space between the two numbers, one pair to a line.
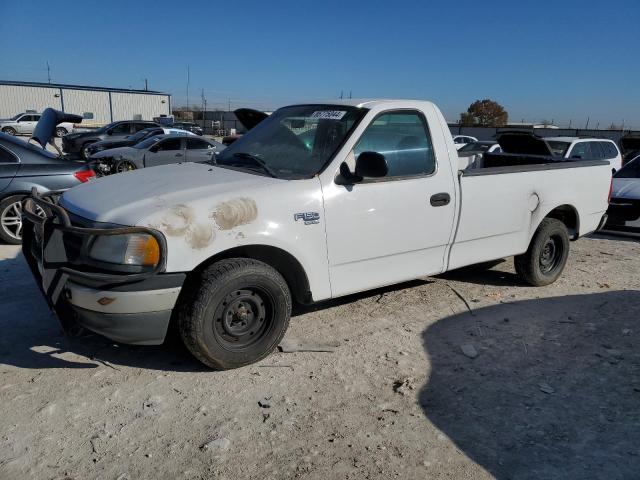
[234,212]
[179,221]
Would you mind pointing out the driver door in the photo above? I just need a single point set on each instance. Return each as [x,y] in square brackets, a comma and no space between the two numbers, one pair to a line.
[165,152]
[199,150]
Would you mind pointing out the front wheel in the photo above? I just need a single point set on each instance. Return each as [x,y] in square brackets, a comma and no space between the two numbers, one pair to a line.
[61,132]
[124,166]
[9,130]
[237,315]
[546,257]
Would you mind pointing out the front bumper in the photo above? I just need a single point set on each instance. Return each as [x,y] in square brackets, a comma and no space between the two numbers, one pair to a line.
[126,307]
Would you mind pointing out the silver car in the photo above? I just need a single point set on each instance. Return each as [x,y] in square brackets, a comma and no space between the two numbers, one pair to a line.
[154,151]
[25,123]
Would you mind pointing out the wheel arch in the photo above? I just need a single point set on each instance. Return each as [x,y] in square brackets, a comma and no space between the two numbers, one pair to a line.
[281,260]
[568,215]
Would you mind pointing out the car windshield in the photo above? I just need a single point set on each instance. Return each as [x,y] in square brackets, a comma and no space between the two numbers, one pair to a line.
[142,134]
[294,142]
[476,147]
[148,142]
[558,148]
[15,117]
[630,170]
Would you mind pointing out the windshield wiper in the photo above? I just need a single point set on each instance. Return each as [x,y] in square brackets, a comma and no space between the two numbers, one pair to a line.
[258,161]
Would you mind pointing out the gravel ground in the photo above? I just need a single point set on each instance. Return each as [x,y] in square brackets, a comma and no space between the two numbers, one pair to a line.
[467,375]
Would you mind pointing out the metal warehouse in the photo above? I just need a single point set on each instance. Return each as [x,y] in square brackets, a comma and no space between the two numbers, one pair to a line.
[97,105]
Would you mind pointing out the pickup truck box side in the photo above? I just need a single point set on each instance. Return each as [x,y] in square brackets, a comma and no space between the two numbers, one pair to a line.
[246,242]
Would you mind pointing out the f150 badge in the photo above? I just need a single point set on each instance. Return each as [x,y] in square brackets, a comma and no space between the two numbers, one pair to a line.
[309,218]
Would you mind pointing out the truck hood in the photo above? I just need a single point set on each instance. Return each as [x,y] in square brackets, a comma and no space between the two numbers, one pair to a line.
[125,152]
[628,188]
[132,198]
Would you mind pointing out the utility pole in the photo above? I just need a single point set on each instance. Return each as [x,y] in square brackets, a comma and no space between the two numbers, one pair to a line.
[188,80]
[229,104]
[146,85]
[48,72]
[586,127]
[203,108]
[341,94]
[349,94]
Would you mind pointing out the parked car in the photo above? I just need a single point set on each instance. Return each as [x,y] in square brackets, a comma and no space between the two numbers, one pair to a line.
[24,166]
[460,141]
[587,149]
[25,123]
[154,151]
[374,199]
[188,126]
[471,154]
[79,143]
[630,147]
[624,206]
[133,139]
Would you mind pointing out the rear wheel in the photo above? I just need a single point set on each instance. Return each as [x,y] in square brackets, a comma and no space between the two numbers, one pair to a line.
[238,315]
[11,219]
[9,130]
[547,255]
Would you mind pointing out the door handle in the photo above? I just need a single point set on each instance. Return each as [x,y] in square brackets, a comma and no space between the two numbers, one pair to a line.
[440,199]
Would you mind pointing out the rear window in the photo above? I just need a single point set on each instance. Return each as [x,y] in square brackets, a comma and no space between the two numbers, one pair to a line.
[609,149]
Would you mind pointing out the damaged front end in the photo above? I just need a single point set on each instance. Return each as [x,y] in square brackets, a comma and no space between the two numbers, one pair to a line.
[99,275]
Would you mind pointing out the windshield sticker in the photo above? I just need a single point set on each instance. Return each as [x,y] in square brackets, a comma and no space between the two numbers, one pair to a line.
[329,114]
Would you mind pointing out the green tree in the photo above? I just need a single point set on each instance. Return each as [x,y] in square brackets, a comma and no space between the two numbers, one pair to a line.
[485,113]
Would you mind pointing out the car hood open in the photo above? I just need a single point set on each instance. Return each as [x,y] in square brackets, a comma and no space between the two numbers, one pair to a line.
[249,117]
[49,120]
[523,143]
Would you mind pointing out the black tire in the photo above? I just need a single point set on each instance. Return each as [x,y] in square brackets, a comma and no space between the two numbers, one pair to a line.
[546,257]
[124,166]
[84,151]
[237,315]
[61,132]
[10,220]
[9,130]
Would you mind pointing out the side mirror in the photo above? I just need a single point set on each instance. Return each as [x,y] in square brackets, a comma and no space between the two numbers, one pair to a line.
[368,164]
[371,165]
[109,132]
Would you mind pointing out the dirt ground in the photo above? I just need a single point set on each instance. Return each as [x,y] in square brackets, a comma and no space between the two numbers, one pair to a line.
[523,383]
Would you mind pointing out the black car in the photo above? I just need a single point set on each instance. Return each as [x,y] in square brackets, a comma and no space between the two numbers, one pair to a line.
[78,143]
[24,166]
[124,141]
[189,127]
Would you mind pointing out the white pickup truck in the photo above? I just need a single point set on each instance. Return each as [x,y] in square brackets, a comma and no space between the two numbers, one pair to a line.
[318,201]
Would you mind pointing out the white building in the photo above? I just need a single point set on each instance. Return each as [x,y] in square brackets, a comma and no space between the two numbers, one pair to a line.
[97,105]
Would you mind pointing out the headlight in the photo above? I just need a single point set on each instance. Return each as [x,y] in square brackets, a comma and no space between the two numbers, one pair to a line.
[136,249]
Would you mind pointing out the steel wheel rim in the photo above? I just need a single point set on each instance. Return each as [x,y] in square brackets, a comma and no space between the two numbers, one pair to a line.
[243,318]
[11,219]
[551,254]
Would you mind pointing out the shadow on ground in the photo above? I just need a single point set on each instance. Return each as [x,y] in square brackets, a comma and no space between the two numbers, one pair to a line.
[553,393]
[32,337]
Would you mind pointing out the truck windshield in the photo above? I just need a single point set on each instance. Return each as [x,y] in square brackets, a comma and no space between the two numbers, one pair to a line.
[558,148]
[294,142]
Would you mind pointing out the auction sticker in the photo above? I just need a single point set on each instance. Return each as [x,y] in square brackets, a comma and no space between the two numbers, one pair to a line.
[329,114]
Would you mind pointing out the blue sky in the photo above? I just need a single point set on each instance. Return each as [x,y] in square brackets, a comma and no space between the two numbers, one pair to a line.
[562,60]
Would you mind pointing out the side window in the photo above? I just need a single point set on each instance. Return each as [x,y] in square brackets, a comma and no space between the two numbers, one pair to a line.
[7,157]
[25,118]
[403,138]
[140,126]
[197,144]
[36,118]
[610,150]
[120,129]
[580,150]
[170,145]
[596,151]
